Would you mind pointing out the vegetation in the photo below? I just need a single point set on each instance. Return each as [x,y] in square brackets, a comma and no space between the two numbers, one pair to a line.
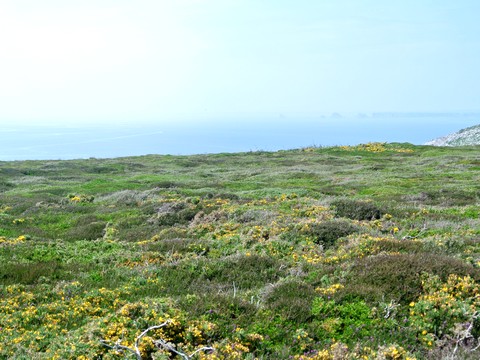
[365,252]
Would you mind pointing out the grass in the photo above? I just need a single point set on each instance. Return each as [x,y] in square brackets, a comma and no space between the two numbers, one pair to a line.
[314,253]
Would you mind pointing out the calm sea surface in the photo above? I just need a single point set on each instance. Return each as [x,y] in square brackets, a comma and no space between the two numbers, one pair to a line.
[235,135]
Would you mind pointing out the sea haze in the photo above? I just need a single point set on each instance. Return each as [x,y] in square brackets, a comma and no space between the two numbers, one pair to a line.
[234,135]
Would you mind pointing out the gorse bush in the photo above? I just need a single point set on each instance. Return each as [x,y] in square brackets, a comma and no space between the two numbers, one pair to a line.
[448,310]
[356,209]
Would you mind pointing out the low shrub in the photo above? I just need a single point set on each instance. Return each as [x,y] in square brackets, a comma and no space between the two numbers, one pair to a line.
[401,246]
[227,275]
[346,322]
[327,233]
[174,214]
[86,228]
[90,231]
[29,274]
[245,271]
[5,185]
[357,209]
[179,245]
[292,299]
[398,276]
[444,197]
[446,310]
[224,309]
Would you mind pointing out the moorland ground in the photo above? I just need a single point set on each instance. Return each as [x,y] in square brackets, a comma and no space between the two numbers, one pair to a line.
[368,251]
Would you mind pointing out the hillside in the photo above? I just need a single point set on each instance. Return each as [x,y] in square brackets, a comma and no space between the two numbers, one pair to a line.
[467,136]
[359,252]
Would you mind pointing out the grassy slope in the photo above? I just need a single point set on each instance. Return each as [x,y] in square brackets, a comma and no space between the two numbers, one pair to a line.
[258,254]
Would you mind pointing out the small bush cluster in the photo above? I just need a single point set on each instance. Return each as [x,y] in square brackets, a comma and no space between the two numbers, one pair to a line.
[448,311]
[87,227]
[82,198]
[399,275]
[357,209]
[328,232]
[170,214]
[292,299]
[342,321]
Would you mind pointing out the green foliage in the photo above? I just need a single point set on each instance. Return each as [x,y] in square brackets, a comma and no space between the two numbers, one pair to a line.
[446,309]
[31,273]
[292,299]
[356,209]
[226,246]
[328,232]
[398,276]
[86,228]
[342,321]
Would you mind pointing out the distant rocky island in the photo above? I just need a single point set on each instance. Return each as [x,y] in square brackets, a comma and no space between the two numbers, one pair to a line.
[467,136]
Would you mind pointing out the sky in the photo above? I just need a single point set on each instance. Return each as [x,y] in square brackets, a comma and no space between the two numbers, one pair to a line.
[110,61]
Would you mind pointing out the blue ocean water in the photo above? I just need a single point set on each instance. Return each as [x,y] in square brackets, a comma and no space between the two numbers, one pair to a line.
[232,135]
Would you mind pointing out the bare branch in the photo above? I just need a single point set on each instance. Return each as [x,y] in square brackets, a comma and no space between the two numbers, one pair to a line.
[205,348]
[467,333]
[119,347]
[160,342]
[139,337]
[171,347]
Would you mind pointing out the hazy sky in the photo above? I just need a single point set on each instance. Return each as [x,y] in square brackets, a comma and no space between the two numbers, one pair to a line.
[117,60]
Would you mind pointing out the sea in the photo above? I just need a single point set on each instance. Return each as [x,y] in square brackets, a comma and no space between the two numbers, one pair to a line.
[204,136]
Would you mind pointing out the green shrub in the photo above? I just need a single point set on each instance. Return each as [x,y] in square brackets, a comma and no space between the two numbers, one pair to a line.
[224,309]
[398,276]
[175,214]
[29,274]
[346,321]
[401,246]
[179,245]
[5,185]
[328,232]
[444,306]
[357,209]
[226,275]
[292,299]
[245,271]
[445,197]
[86,228]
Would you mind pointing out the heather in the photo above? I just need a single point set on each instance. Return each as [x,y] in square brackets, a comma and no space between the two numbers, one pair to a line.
[353,252]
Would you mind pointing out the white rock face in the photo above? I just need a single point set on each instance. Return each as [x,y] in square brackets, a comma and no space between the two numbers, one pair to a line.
[468,136]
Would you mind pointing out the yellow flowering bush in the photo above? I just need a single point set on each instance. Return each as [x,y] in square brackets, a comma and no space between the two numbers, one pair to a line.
[12,241]
[81,198]
[376,147]
[443,306]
